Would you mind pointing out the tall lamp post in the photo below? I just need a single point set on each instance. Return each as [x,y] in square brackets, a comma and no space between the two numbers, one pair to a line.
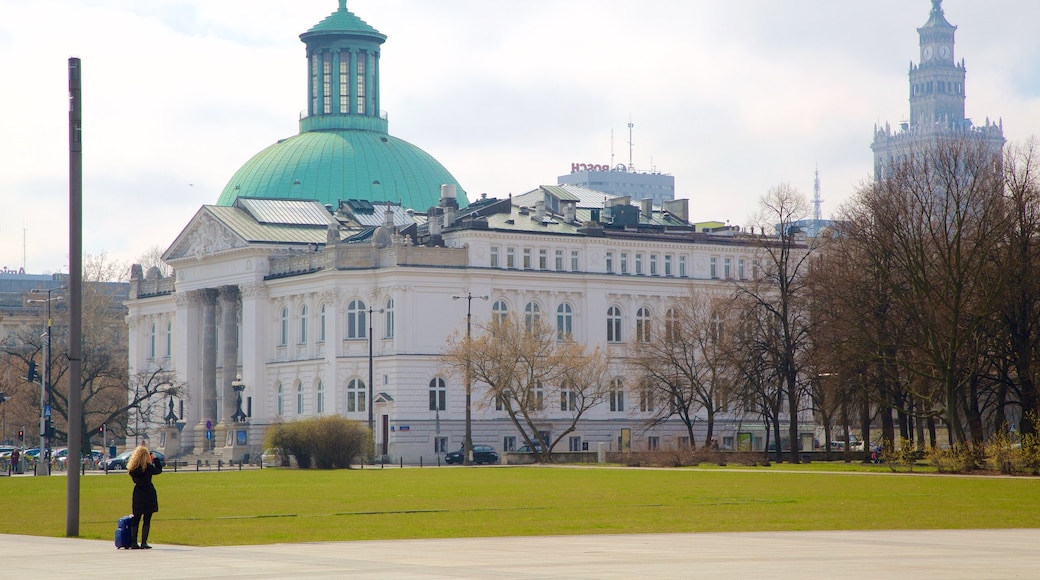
[468,443]
[371,379]
[43,468]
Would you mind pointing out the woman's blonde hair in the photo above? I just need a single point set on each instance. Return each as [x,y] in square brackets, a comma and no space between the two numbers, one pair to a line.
[139,459]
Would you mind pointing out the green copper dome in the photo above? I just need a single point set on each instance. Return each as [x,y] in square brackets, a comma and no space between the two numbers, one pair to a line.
[343,150]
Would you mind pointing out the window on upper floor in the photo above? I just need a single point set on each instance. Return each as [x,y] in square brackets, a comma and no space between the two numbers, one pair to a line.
[564,321]
[614,324]
[558,266]
[303,325]
[574,261]
[532,315]
[283,330]
[438,395]
[494,256]
[500,310]
[356,323]
[543,259]
[610,262]
[388,318]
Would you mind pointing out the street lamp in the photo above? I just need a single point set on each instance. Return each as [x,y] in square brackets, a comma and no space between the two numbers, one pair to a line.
[45,410]
[238,386]
[468,443]
[371,417]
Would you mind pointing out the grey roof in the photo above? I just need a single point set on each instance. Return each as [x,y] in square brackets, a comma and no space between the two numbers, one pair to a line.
[250,230]
[583,196]
[297,212]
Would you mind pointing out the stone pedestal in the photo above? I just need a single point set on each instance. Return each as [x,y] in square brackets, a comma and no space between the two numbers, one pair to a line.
[170,441]
[237,443]
[220,431]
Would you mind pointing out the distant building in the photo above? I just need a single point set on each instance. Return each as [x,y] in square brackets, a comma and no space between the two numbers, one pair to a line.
[620,181]
[937,95]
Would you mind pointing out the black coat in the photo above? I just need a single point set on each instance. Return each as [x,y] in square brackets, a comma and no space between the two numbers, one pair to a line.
[145,499]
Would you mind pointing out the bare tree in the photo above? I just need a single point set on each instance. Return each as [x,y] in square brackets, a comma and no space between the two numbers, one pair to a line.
[687,367]
[526,369]
[152,258]
[107,390]
[779,289]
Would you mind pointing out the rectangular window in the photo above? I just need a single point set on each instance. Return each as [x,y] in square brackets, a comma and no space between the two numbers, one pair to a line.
[509,443]
[653,443]
[574,260]
[314,82]
[494,256]
[617,401]
[740,268]
[714,268]
[326,84]
[361,83]
[527,258]
[574,444]
[684,442]
[568,401]
[682,266]
[543,259]
[639,263]
[668,266]
[511,258]
[727,268]
[344,84]
[646,400]
[610,262]
[624,262]
[440,444]
[653,264]
[559,260]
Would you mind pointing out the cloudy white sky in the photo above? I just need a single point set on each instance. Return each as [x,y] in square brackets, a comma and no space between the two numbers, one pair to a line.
[729,97]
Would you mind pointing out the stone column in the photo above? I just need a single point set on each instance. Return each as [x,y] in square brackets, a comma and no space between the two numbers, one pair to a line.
[186,357]
[229,309]
[208,298]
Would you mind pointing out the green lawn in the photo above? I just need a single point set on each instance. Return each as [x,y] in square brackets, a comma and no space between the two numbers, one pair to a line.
[281,505]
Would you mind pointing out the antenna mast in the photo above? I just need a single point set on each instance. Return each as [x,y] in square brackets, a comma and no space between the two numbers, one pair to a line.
[631,166]
[817,202]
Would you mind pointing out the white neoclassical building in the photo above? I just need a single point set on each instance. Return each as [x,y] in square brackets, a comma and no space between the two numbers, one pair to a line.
[347,310]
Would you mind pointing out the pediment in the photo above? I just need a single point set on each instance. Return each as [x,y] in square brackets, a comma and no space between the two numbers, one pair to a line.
[204,236]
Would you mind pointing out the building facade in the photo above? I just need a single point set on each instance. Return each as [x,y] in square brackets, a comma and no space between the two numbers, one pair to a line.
[299,310]
[620,181]
[937,97]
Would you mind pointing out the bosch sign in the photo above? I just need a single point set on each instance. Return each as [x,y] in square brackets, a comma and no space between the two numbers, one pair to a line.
[576,167]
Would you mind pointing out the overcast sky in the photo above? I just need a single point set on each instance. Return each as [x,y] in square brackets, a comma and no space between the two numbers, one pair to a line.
[731,97]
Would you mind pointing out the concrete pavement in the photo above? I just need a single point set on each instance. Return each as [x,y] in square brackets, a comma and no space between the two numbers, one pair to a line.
[913,554]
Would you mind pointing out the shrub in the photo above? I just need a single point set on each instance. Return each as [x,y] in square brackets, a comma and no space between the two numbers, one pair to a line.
[328,442]
[906,456]
[959,458]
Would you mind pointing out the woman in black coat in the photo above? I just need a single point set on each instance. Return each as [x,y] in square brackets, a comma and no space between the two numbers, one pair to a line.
[142,466]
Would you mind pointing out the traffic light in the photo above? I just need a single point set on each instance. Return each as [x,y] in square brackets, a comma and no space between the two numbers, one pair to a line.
[21,435]
[32,371]
[101,431]
[48,429]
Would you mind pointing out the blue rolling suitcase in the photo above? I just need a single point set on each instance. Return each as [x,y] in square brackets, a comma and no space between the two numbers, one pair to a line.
[124,535]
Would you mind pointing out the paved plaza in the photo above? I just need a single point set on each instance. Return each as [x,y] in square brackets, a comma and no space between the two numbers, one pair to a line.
[913,554]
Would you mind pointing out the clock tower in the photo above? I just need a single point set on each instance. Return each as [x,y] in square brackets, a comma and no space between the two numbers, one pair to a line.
[937,83]
[936,101]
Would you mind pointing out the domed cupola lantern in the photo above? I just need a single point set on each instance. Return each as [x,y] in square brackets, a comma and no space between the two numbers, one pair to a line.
[343,150]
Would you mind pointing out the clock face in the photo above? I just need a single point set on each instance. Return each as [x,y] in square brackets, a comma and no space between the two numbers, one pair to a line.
[927,53]
[944,52]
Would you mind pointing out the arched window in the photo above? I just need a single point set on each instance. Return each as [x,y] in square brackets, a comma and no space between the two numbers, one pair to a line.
[671,326]
[320,399]
[643,324]
[613,324]
[303,324]
[321,324]
[356,319]
[564,321]
[499,310]
[389,318]
[438,395]
[617,395]
[532,315]
[169,339]
[280,401]
[356,396]
[283,333]
[299,398]
[151,342]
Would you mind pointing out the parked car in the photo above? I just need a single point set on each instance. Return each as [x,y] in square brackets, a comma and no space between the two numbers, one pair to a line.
[481,454]
[525,448]
[274,457]
[119,461]
[62,457]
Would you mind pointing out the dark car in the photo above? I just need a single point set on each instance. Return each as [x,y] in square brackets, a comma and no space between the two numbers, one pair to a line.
[481,454]
[119,461]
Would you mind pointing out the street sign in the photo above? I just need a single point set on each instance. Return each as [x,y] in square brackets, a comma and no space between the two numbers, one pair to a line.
[209,425]
[47,411]
[209,435]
